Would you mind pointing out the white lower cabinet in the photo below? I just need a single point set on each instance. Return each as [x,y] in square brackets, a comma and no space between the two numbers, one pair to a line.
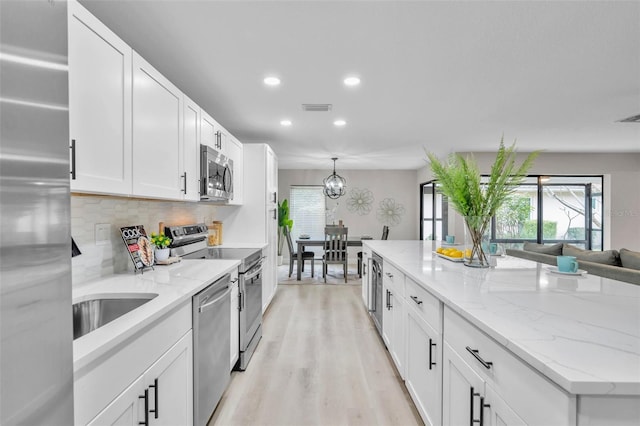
[393,321]
[424,367]
[163,395]
[498,387]
[125,410]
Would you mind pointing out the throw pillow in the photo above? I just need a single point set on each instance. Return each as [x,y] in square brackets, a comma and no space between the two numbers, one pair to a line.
[630,259]
[607,257]
[554,250]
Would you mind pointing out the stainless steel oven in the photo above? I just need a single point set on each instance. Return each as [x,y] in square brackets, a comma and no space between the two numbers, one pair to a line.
[250,285]
[189,241]
[216,175]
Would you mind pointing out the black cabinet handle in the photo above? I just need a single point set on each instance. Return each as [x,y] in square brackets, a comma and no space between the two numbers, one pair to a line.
[155,391]
[389,274]
[73,159]
[482,407]
[415,299]
[146,407]
[476,355]
[431,345]
[471,419]
[275,197]
[185,182]
[472,394]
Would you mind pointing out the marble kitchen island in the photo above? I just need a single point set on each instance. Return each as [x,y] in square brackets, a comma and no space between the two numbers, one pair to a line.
[577,336]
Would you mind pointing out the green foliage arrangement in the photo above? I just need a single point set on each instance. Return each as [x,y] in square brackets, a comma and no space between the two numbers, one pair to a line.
[160,240]
[461,182]
[283,220]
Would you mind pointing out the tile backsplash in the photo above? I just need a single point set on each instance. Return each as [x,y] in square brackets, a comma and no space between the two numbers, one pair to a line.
[111,256]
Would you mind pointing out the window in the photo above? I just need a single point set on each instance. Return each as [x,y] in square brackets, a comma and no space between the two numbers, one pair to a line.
[307,210]
[434,212]
[543,209]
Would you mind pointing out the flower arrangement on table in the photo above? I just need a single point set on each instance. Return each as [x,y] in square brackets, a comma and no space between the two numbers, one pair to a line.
[477,201]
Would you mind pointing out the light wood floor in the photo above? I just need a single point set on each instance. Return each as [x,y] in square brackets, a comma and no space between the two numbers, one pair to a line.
[320,362]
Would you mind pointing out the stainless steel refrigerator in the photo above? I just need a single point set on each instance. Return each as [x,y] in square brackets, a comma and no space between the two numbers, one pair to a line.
[36,336]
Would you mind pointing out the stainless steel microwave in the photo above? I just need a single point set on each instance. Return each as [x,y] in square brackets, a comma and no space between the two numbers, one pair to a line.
[216,175]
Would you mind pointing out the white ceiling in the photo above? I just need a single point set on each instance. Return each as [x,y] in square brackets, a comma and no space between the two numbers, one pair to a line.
[445,76]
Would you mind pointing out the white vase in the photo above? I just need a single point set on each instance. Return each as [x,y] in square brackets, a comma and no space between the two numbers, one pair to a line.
[162,254]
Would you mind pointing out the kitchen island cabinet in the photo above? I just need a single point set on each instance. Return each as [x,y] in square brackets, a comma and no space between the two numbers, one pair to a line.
[518,344]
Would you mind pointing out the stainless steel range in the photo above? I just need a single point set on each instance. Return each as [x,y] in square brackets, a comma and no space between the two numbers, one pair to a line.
[190,242]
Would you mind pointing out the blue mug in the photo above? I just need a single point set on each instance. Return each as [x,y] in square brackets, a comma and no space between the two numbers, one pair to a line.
[450,239]
[567,263]
[493,248]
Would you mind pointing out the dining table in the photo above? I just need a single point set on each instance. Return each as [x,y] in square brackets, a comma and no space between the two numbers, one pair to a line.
[355,241]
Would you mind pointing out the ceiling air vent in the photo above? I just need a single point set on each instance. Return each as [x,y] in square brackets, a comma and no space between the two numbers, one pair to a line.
[632,119]
[316,107]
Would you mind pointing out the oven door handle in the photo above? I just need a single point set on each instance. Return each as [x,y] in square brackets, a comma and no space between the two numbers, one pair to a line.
[204,307]
[254,270]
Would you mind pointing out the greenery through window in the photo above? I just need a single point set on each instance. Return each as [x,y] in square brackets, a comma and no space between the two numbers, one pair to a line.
[547,210]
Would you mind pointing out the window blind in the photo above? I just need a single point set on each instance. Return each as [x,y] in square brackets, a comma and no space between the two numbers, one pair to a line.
[307,209]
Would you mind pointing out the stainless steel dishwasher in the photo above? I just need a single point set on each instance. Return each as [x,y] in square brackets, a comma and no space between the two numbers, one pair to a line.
[211,341]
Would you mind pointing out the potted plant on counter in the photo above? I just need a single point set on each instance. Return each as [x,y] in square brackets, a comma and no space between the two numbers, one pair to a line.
[161,242]
[283,220]
[475,199]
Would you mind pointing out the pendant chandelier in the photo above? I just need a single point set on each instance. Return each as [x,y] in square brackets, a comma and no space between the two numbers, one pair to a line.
[335,185]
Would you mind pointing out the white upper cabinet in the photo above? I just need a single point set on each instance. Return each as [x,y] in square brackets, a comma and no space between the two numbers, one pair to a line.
[191,153]
[208,129]
[235,151]
[99,105]
[157,133]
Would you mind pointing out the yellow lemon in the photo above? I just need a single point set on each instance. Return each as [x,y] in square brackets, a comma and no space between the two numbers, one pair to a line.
[467,253]
[439,250]
[457,254]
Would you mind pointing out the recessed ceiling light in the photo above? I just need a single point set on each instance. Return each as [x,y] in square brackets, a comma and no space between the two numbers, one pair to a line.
[286,122]
[339,122]
[271,81]
[352,81]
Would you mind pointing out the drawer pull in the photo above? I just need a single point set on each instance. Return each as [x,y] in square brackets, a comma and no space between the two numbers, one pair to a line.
[415,299]
[389,274]
[389,306]
[474,352]
[431,345]
[155,392]
[146,407]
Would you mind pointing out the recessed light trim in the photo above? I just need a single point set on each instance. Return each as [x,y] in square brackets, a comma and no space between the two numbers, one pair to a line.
[339,123]
[271,81]
[352,81]
[285,123]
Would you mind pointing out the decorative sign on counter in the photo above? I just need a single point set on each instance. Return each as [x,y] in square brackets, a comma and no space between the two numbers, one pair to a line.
[139,247]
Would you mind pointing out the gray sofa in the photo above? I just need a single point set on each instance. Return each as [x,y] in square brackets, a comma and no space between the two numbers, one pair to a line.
[623,265]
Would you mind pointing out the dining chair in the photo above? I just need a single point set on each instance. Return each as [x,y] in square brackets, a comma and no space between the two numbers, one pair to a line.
[335,249]
[385,235]
[293,256]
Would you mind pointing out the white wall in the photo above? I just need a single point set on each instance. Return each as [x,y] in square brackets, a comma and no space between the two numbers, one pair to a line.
[399,185]
[621,172]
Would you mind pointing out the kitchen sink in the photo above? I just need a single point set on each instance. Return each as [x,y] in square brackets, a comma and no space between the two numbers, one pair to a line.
[93,313]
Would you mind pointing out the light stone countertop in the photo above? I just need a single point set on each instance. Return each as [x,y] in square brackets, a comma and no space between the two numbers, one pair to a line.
[175,285]
[583,333]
